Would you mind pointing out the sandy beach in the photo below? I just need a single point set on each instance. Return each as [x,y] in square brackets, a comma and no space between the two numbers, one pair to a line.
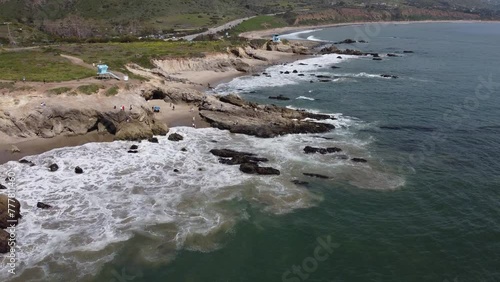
[291,29]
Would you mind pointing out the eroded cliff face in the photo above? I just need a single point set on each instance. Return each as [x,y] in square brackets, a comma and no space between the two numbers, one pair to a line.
[47,117]
[369,15]
[211,62]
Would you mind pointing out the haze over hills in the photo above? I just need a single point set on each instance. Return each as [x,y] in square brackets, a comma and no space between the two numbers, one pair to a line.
[97,18]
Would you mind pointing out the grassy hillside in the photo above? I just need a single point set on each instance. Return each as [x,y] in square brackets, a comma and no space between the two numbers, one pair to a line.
[104,18]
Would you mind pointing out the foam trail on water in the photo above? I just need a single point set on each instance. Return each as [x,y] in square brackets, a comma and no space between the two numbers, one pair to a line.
[295,35]
[305,98]
[277,79]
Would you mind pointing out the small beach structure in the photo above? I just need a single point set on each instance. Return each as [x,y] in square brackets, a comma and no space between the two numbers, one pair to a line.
[276,38]
[103,73]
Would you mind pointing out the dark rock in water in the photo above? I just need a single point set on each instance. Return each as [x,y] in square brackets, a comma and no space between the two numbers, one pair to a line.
[53,167]
[281,72]
[7,179]
[2,187]
[323,76]
[389,76]
[362,41]
[213,141]
[41,205]
[78,170]
[134,147]
[342,157]
[287,72]
[175,137]
[375,55]
[253,168]
[359,160]
[23,161]
[132,151]
[255,74]
[339,57]
[176,170]
[377,59]
[408,52]
[241,160]
[184,150]
[392,55]
[346,41]
[228,153]
[300,183]
[153,140]
[316,175]
[200,169]
[295,71]
[310,81]
[323,137]
[313,150]
[324,80]
[279,97]
[335,67]
[301,74]
[302,64]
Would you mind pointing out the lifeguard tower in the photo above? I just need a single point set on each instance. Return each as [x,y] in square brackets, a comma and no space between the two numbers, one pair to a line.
[276,38]
[103,73]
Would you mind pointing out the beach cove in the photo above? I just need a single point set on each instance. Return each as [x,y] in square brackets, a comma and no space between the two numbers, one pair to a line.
[377,195]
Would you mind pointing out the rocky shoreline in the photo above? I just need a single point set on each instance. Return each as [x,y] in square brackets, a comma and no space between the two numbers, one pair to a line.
[129,115]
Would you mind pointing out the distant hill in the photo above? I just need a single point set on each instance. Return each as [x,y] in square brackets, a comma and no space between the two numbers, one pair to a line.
[97,18]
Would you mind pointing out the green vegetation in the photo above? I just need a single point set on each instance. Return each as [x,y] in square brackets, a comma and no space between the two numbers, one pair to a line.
[258,23]
[88,89]
[59,90]
[117,55]
[112,91]
[39,66]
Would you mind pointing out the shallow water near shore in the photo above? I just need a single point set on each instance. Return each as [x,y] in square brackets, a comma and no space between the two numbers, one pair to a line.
[424,207]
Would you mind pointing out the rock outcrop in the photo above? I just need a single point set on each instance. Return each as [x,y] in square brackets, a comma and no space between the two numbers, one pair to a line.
[176,137]
[239,116]
[4,241]
[313,150]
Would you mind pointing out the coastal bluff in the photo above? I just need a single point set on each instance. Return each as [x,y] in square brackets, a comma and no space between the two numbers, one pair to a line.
[43,117]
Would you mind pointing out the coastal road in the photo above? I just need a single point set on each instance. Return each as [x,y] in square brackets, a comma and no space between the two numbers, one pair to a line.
[225,26]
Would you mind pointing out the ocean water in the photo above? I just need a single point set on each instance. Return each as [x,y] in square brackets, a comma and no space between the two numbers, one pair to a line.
[424,208]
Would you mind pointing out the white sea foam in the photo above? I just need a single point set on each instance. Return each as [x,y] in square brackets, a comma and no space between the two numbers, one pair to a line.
[276,78]
[314,38]
[122,194]
[295,35]
[305,98]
